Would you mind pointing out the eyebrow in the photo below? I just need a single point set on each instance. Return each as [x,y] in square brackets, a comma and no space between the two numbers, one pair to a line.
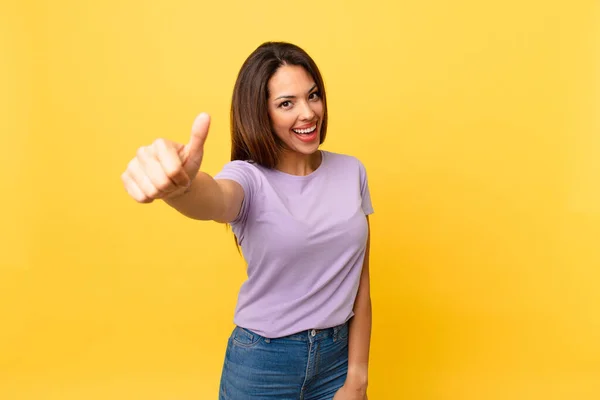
[293,97]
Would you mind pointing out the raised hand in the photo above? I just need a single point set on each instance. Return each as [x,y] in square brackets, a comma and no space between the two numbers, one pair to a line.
[165,169]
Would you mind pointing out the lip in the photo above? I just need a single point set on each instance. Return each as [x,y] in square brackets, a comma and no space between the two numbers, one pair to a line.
[308,138]
[306,126]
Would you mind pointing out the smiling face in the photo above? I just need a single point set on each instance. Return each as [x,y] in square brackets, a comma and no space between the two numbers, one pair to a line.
[295,109]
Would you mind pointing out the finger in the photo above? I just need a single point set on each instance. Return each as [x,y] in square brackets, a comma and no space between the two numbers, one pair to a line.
[153,170]
[133,189]
[194,149]
[142,180]
[170,163]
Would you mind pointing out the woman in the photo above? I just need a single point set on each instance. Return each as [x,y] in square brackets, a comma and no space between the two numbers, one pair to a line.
[300,216]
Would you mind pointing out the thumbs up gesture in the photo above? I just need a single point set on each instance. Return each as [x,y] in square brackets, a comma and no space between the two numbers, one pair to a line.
[165,169]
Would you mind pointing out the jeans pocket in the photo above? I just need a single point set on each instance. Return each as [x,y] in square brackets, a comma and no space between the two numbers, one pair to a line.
[245,338]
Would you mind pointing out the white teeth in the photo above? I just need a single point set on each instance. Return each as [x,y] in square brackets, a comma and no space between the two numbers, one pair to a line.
[309,130]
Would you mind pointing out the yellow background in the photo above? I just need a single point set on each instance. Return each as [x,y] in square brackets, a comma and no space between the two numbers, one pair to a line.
[477,121]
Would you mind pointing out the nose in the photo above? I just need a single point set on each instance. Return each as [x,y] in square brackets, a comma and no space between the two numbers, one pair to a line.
[306,112]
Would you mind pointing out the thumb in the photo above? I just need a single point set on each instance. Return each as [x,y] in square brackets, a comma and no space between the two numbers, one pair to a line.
[194,149]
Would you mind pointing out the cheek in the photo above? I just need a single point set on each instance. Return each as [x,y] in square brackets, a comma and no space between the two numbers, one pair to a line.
[281,123]
[318,109]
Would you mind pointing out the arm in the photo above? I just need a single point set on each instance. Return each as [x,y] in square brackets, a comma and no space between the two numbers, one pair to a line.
[360,331]
[209,199]
[171,171]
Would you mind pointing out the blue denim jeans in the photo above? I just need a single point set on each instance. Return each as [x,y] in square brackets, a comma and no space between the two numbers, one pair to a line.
[310,365]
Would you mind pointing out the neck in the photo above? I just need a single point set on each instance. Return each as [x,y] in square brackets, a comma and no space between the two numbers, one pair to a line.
[299,164]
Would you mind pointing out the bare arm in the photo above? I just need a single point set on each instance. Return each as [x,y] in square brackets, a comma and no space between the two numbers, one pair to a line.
[360,331]
[171,171]
[209,199]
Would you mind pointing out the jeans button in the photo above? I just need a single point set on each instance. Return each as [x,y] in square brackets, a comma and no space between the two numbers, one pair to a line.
[313,333]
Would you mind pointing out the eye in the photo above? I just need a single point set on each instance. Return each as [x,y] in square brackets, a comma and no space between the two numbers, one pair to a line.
[285,104]
[314,96]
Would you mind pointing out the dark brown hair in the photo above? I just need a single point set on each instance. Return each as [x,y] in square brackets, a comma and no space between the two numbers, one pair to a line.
[252,137]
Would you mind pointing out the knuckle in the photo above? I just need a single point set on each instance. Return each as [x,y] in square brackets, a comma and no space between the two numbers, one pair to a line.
[153,192]
[141,152]
[173,171]
[159,143]
[164,186]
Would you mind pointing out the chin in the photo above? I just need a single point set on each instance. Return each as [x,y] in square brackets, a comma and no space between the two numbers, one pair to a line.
[308,149]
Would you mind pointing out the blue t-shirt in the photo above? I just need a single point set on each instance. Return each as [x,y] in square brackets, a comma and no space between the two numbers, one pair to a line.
[304,240]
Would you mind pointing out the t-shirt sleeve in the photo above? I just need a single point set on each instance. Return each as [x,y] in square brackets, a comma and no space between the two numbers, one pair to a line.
[243,173]
[364,190]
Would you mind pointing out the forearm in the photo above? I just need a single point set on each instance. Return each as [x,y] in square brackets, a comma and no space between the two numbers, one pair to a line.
[203,200]
[359,339]
[359,342]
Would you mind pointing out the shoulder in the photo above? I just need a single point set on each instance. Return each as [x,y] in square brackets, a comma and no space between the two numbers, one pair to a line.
[343,160]
[246,173]
[240,166]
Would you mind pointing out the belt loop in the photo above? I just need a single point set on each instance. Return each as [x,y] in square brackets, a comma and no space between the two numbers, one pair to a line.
[335,333]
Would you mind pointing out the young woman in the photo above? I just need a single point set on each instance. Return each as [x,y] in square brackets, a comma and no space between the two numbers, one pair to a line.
[300,216]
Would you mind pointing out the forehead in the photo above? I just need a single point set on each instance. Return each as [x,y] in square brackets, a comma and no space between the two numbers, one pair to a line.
[291,79]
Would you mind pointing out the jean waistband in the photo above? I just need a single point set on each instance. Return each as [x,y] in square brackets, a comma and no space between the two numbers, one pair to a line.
[316,334]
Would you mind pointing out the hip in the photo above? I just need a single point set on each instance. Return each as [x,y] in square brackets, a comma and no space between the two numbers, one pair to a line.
[307,365]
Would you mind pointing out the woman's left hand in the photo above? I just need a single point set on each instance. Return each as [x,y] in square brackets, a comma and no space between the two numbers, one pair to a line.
[346,393]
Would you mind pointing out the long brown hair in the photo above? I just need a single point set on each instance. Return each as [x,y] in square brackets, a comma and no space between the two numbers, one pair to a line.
[252,137]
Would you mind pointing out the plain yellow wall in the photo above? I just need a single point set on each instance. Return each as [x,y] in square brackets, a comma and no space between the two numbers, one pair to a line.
[477,121]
